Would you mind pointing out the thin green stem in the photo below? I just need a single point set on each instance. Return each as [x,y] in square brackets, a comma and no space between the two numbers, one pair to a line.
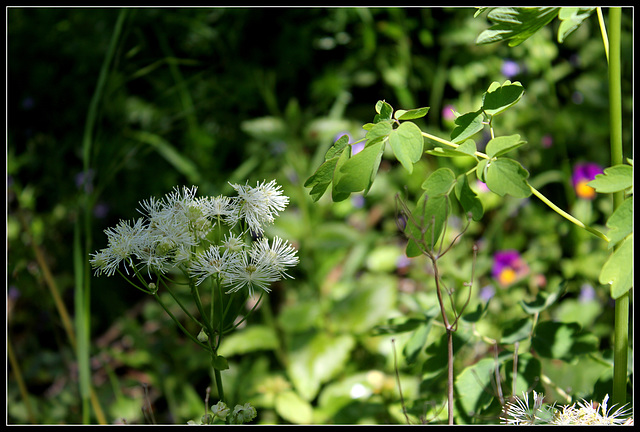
[621,329]
[567,216]
[184,330]
[451,144]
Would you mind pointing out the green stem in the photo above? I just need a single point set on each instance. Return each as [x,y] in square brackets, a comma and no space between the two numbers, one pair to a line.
[184,330]
[567,216]
[621,331]
[450,144]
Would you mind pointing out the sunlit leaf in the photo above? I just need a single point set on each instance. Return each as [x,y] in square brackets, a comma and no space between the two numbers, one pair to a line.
[503,144]
[291,407]
[571,18]
[318,359]
[407,144]
[506,176]
[357,173]
[516,24]
[614,179]
[620,223]
[471,386]
[467,125]
[500,97]
[439,182]
[411,114]
[618,270]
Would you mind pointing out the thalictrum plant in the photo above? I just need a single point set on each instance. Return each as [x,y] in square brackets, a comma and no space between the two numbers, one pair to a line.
[218,246]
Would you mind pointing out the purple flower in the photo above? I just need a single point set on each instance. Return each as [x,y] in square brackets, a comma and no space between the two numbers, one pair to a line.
[583,173]
[487,292]
[508,267]
[448,113]
[547,141]
[510,68]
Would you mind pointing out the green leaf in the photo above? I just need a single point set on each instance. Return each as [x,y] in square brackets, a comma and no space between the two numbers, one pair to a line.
[407,144]
[571,18]
[543,300]
[516,331]
[471,386]
[516,24]
[507,176]
[324,175]
[253,338]
[336,194]
[481,170]
[614,179]
[291,407]
[500,97]
[562,341]
[379,130]
[411,114]
[220,363]
[467,125]
[357,173]
[321,179]
[618,270]
[384,111]
[366,306]
[468,199]
[337,148]
[439,182]
[416,342]
[315,360]
[504,144]
[620,223]
[429,216]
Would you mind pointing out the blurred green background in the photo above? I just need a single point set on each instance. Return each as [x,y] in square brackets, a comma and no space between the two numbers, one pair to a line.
[209,96]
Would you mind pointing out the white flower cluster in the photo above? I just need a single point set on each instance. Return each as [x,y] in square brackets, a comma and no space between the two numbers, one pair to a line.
[176,231]
[518,412]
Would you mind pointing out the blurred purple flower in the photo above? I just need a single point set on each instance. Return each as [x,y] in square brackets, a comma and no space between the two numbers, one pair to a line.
[587,293]
[510,68]
[448,113]
[547,141]
[508,267]
[84,180]
[583,173]
[486,292]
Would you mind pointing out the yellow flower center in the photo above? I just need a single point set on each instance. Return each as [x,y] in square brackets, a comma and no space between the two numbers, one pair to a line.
[585,191]
[507,276]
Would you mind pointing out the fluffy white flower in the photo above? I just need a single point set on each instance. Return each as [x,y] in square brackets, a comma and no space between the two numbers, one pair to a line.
[246,273]
[213,261]
[279,255]
[123,241]
[259,205]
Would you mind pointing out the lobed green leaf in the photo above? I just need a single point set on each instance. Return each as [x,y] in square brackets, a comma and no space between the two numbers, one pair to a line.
[614,179]
[506,176]
[467,125]
[500,97]
[407,144]
[504,144]
[439,182]
[618,269]
[516,24]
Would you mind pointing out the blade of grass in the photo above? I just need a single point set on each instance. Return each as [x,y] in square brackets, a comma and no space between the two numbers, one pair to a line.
[82,294]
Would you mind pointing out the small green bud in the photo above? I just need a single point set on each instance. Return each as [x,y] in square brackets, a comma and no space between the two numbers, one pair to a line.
[202,336]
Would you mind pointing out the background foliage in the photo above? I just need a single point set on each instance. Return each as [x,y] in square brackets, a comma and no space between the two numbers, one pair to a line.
[208,96]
